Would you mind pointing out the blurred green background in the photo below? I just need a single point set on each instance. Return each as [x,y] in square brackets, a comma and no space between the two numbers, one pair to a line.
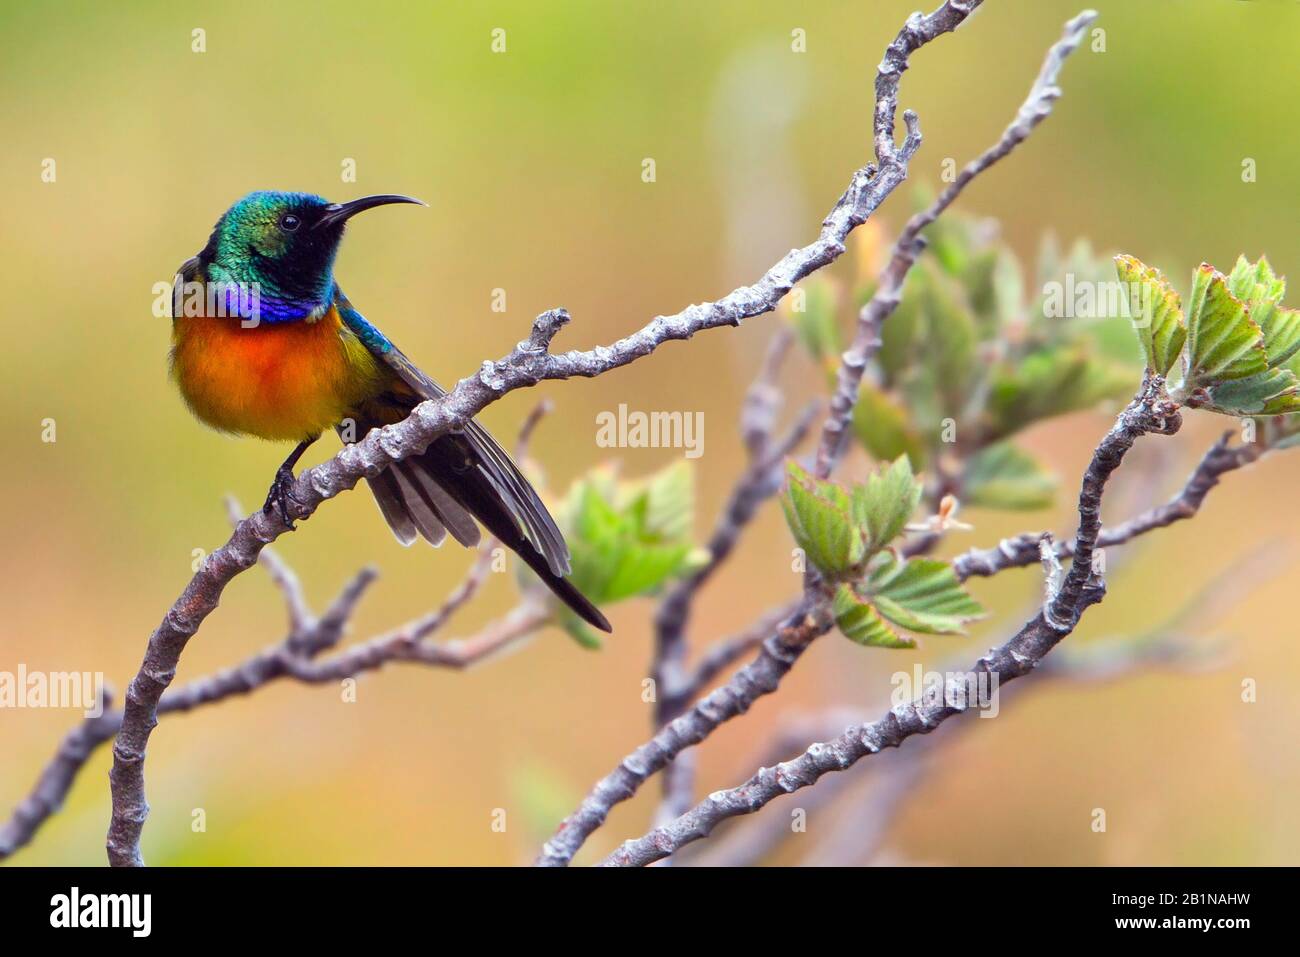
[531,161]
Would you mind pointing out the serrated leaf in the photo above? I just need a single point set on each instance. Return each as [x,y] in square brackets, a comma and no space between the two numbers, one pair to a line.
[923,594]
[1004,476]
[1252,395]
[883,504]
[1255,283]
[1281,336]
[1261,290]
[818,514]
[859,622]
[883,427]
[627,538]
[1223,342]
[1284,404]
[1155,310]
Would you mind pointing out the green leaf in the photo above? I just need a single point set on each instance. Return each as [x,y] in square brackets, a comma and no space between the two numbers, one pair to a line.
[884,503]
[642,569]
[626,538]
[818,514]
[1261,290]
[1254,394]
[1004,476]
[1155,310]
[1223,342]
[1281,336]
[923,594]
[884,428]
[861,623]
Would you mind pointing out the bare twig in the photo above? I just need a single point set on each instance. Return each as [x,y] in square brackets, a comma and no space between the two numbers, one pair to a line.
[726,652]
[1022,550]
[307,638]
[1036,108]
[619,786]
[293,657]
[1149,412]
[859,838]
[529,363]
[674,687]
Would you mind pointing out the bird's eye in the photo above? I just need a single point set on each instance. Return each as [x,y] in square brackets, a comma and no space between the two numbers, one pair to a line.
[289,222]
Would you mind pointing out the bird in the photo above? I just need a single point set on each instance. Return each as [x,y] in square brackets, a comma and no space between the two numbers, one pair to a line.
[265,344]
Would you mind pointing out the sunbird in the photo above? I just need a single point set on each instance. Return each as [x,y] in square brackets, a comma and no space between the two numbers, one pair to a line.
[279,352]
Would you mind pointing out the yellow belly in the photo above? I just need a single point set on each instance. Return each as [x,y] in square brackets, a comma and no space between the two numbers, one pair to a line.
[287,381]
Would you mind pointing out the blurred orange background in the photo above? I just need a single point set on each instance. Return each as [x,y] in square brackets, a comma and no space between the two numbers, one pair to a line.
[531,161]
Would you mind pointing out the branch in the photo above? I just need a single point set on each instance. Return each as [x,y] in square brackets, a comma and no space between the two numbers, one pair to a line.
[308,637]
[1036,108]
[858,841]
[1149,412]
[529,363]
[290,658]
[1022,549]
[759,481]
[624,781]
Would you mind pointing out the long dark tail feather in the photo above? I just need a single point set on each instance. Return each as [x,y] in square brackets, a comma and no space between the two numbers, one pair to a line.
[453,464]
[438,491]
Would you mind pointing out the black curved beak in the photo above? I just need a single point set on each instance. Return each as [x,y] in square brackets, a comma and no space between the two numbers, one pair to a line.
[337,213]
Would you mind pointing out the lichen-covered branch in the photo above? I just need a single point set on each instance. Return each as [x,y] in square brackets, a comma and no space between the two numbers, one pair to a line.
[529,363]
[624,781]
[1149,412]
[760,677]
[1022,550]
[858,838]
[889,290]
[758,482]
[295,657]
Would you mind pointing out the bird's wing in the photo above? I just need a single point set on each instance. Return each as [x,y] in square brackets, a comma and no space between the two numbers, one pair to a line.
[493,463]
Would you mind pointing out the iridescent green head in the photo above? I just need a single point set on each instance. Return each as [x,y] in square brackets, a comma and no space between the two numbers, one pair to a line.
[284,244]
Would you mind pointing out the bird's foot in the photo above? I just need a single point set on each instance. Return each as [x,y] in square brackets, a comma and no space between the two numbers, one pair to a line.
[281,495]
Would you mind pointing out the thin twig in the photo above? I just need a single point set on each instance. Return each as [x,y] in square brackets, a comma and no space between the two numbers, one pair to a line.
[1149,412]
[757,483]
[624,781]
[294,656]
[1022,550]
[529,363]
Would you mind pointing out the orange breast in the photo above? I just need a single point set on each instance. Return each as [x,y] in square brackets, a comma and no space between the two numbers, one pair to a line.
[287,381]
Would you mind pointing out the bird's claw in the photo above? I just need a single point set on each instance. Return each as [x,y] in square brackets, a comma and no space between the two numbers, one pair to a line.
[281,495]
